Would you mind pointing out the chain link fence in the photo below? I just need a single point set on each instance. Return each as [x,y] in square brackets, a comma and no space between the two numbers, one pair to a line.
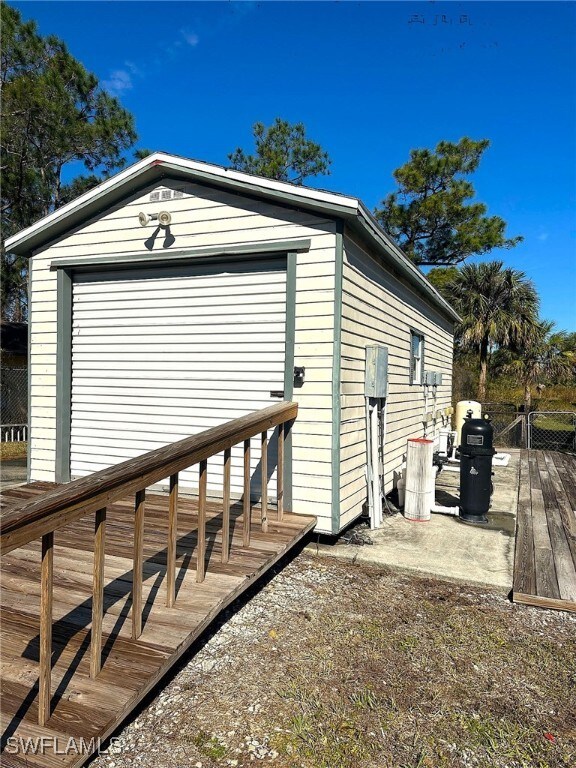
[552,430]
[539,430]
[510,427]
[13,404]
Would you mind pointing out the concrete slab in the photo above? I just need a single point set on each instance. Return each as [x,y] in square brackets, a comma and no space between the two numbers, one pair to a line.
[445,547]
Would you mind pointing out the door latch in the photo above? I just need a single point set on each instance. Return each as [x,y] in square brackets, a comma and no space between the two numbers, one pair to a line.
[299,372]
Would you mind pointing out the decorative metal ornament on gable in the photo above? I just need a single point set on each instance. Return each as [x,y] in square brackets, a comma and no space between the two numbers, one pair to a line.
[476,452]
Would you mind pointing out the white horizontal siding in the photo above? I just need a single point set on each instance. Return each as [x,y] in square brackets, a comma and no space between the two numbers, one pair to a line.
[139,308]
[203,217]
[379,308]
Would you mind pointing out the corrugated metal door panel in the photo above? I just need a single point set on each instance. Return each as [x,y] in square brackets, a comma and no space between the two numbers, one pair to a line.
[158,355]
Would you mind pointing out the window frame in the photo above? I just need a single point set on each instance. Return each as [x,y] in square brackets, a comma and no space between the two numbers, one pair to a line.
[419,380]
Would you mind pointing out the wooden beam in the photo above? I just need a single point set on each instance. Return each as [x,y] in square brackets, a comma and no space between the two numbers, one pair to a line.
[562,556]
[544,602]
[171,552]
[226,508]
[264,482]
[98,592]
[546,577]
[95,709]
[46,596]
[201,545]
[88,494]
[524,562]
[138,563]
[280,472]
[246,521]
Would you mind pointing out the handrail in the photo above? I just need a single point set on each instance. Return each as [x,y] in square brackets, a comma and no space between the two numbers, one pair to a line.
[41,517]
[74,500]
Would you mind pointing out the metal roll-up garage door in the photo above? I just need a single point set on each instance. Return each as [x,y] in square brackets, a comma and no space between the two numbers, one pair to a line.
[161,354]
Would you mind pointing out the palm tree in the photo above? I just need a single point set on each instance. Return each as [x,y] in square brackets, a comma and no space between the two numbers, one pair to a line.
[498,307]
[542,357]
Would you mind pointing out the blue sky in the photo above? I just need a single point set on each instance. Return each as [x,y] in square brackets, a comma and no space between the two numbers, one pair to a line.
[370,80]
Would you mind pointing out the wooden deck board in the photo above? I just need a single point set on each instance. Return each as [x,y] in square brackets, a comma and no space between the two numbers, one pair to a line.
[84,707]
[545,553]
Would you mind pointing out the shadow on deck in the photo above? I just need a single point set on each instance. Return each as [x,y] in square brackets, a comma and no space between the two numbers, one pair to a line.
[85,708]
[104,585]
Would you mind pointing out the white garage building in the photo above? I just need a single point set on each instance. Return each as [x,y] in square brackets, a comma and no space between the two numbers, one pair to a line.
[256,291]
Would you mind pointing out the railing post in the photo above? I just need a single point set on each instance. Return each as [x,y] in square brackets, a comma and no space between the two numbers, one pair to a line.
[280,472]
[264,474]
[171,549]
[247,507]
[97,592]
[138,564]
[46,589]
[226,508]
[201,546]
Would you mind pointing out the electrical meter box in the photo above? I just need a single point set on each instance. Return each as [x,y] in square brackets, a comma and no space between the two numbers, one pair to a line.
[432,378]
[376,382]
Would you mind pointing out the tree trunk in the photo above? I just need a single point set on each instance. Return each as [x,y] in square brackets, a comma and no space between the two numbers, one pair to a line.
[527,397]
[483,371]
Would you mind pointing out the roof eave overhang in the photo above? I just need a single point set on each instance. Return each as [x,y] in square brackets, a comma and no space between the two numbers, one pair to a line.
[160,165]
[154,168]
[366,223]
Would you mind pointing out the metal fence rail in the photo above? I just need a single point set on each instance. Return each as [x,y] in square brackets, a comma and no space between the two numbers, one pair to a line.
[14,433]
[539,430]
[510,429]
[552,430]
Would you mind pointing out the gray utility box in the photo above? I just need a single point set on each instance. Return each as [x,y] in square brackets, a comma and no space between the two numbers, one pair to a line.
[376,383]
[432,378]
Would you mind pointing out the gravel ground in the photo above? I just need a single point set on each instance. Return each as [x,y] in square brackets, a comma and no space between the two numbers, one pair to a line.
[330,665]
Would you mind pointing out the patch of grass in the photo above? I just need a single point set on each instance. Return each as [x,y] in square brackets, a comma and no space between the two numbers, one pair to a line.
[13,451]
[426,674]
[326,736]
[364,699]
[506,740]
[373,669]
[551,424]
[210,746]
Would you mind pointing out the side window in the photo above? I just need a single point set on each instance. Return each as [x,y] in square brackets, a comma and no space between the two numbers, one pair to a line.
[416,357]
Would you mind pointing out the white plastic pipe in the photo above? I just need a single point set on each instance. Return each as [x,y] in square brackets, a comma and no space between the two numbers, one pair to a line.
[439,509]
[400,489]
[443,442]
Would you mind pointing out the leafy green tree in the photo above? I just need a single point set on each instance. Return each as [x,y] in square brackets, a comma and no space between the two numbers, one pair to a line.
[441,278]
[498,307]
[542,357]
[53,113]
[431,216]
[141,153]
[566,343]
[282,152]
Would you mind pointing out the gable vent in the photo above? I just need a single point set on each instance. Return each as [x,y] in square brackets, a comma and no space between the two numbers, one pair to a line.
[165,194]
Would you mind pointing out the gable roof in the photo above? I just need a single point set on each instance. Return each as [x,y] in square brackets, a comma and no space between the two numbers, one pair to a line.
[161,165]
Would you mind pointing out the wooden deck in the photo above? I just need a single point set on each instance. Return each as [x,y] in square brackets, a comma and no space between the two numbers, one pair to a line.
[545,555]
[90,708]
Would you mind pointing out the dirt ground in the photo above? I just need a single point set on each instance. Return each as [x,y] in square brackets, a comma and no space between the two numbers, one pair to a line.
[334,665]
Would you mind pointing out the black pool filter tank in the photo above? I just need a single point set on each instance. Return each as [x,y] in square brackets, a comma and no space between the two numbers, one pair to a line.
[476,451]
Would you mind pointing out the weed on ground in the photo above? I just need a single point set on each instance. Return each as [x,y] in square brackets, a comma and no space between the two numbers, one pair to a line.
[331,665]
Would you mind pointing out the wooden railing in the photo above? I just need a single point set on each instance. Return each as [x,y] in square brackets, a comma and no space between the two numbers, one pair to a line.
[93,494]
